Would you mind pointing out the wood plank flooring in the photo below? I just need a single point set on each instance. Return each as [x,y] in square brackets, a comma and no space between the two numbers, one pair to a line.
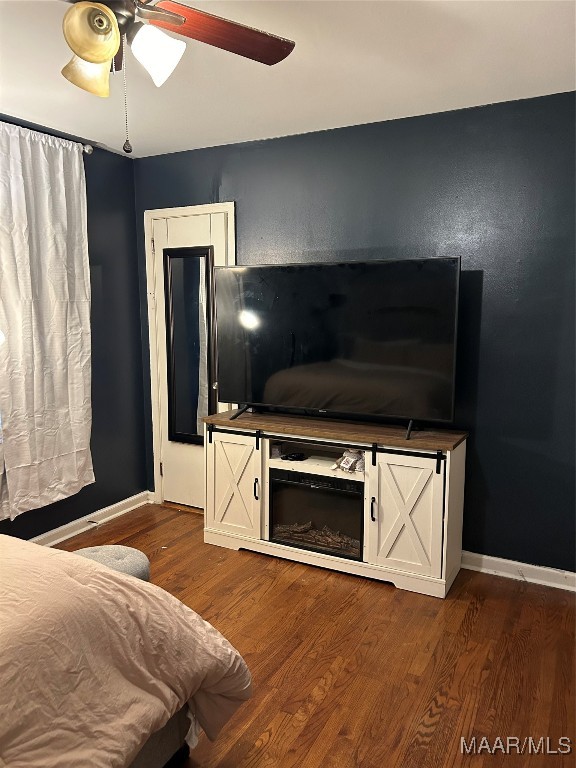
[353,673]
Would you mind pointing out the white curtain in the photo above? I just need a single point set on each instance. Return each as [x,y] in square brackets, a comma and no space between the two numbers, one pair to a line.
[45,371]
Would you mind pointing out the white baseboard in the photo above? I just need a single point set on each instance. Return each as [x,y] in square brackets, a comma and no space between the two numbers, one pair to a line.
[536,574]
[89,522]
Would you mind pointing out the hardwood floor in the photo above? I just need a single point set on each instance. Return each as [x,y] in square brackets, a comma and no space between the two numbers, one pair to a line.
[351,672]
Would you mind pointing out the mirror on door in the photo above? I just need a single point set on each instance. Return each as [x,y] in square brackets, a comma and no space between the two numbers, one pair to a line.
[189,340]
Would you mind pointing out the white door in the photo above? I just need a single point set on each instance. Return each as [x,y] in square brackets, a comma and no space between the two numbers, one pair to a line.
[178,466]
[405,531]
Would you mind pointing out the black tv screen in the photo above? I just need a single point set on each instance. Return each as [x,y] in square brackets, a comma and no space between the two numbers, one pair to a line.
[374,339]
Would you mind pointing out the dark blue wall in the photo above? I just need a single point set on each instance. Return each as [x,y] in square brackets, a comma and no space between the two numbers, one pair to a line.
[117,442]
[494,185]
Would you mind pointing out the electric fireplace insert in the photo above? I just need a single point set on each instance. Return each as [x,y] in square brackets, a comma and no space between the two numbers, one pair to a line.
[318,513]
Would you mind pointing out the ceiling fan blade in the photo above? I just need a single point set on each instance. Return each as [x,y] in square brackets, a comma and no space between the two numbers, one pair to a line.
[225,34]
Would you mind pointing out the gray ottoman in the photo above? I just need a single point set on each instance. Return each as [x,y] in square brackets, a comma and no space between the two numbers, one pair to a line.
[124,559]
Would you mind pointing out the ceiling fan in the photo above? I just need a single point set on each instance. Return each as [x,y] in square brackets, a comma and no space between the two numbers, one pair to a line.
[95,32]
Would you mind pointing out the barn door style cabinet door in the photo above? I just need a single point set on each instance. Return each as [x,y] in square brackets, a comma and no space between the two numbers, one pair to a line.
[234,483]
[407,513]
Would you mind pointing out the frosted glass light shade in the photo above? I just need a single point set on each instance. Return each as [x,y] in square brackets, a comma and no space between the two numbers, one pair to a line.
[94,78]
[158,52]
[91,30]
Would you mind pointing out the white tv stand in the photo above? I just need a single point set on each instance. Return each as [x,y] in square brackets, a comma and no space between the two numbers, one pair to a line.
[413,492]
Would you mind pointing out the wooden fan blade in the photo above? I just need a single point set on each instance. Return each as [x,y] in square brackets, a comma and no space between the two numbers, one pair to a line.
[225,34]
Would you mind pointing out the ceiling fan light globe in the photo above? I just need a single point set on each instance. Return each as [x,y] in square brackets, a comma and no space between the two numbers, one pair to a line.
[158,52]
[91,77]
[91,31]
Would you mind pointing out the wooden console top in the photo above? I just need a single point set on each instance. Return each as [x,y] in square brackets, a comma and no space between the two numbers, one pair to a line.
[339,431]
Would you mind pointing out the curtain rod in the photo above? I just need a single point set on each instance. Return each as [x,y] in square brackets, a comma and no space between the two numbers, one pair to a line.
[88,149]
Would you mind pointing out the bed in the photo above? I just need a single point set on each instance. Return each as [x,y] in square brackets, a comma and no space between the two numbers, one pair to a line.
[94,664]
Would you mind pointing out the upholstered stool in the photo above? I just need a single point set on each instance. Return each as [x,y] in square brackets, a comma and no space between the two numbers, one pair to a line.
[124,559]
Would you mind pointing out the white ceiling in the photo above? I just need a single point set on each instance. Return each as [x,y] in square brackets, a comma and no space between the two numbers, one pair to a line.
[355,61]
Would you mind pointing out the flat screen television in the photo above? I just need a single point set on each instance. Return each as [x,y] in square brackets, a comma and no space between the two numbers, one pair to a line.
[370,339]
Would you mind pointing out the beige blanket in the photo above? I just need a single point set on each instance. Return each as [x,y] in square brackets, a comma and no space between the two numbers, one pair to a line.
[93,661]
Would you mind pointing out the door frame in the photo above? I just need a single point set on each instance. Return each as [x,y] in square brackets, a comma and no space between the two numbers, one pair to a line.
[150,217]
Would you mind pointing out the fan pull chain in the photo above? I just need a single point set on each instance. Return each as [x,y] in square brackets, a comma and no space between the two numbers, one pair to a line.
[127,146]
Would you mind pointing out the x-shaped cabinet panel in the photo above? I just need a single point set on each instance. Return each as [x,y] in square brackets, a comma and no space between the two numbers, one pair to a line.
[407,532]
[234,502]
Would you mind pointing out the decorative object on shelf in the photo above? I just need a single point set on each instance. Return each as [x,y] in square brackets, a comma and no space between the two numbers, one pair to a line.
[93,31]
[350,461]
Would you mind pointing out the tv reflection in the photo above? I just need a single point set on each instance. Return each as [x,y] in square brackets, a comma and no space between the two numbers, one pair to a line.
[379,378]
